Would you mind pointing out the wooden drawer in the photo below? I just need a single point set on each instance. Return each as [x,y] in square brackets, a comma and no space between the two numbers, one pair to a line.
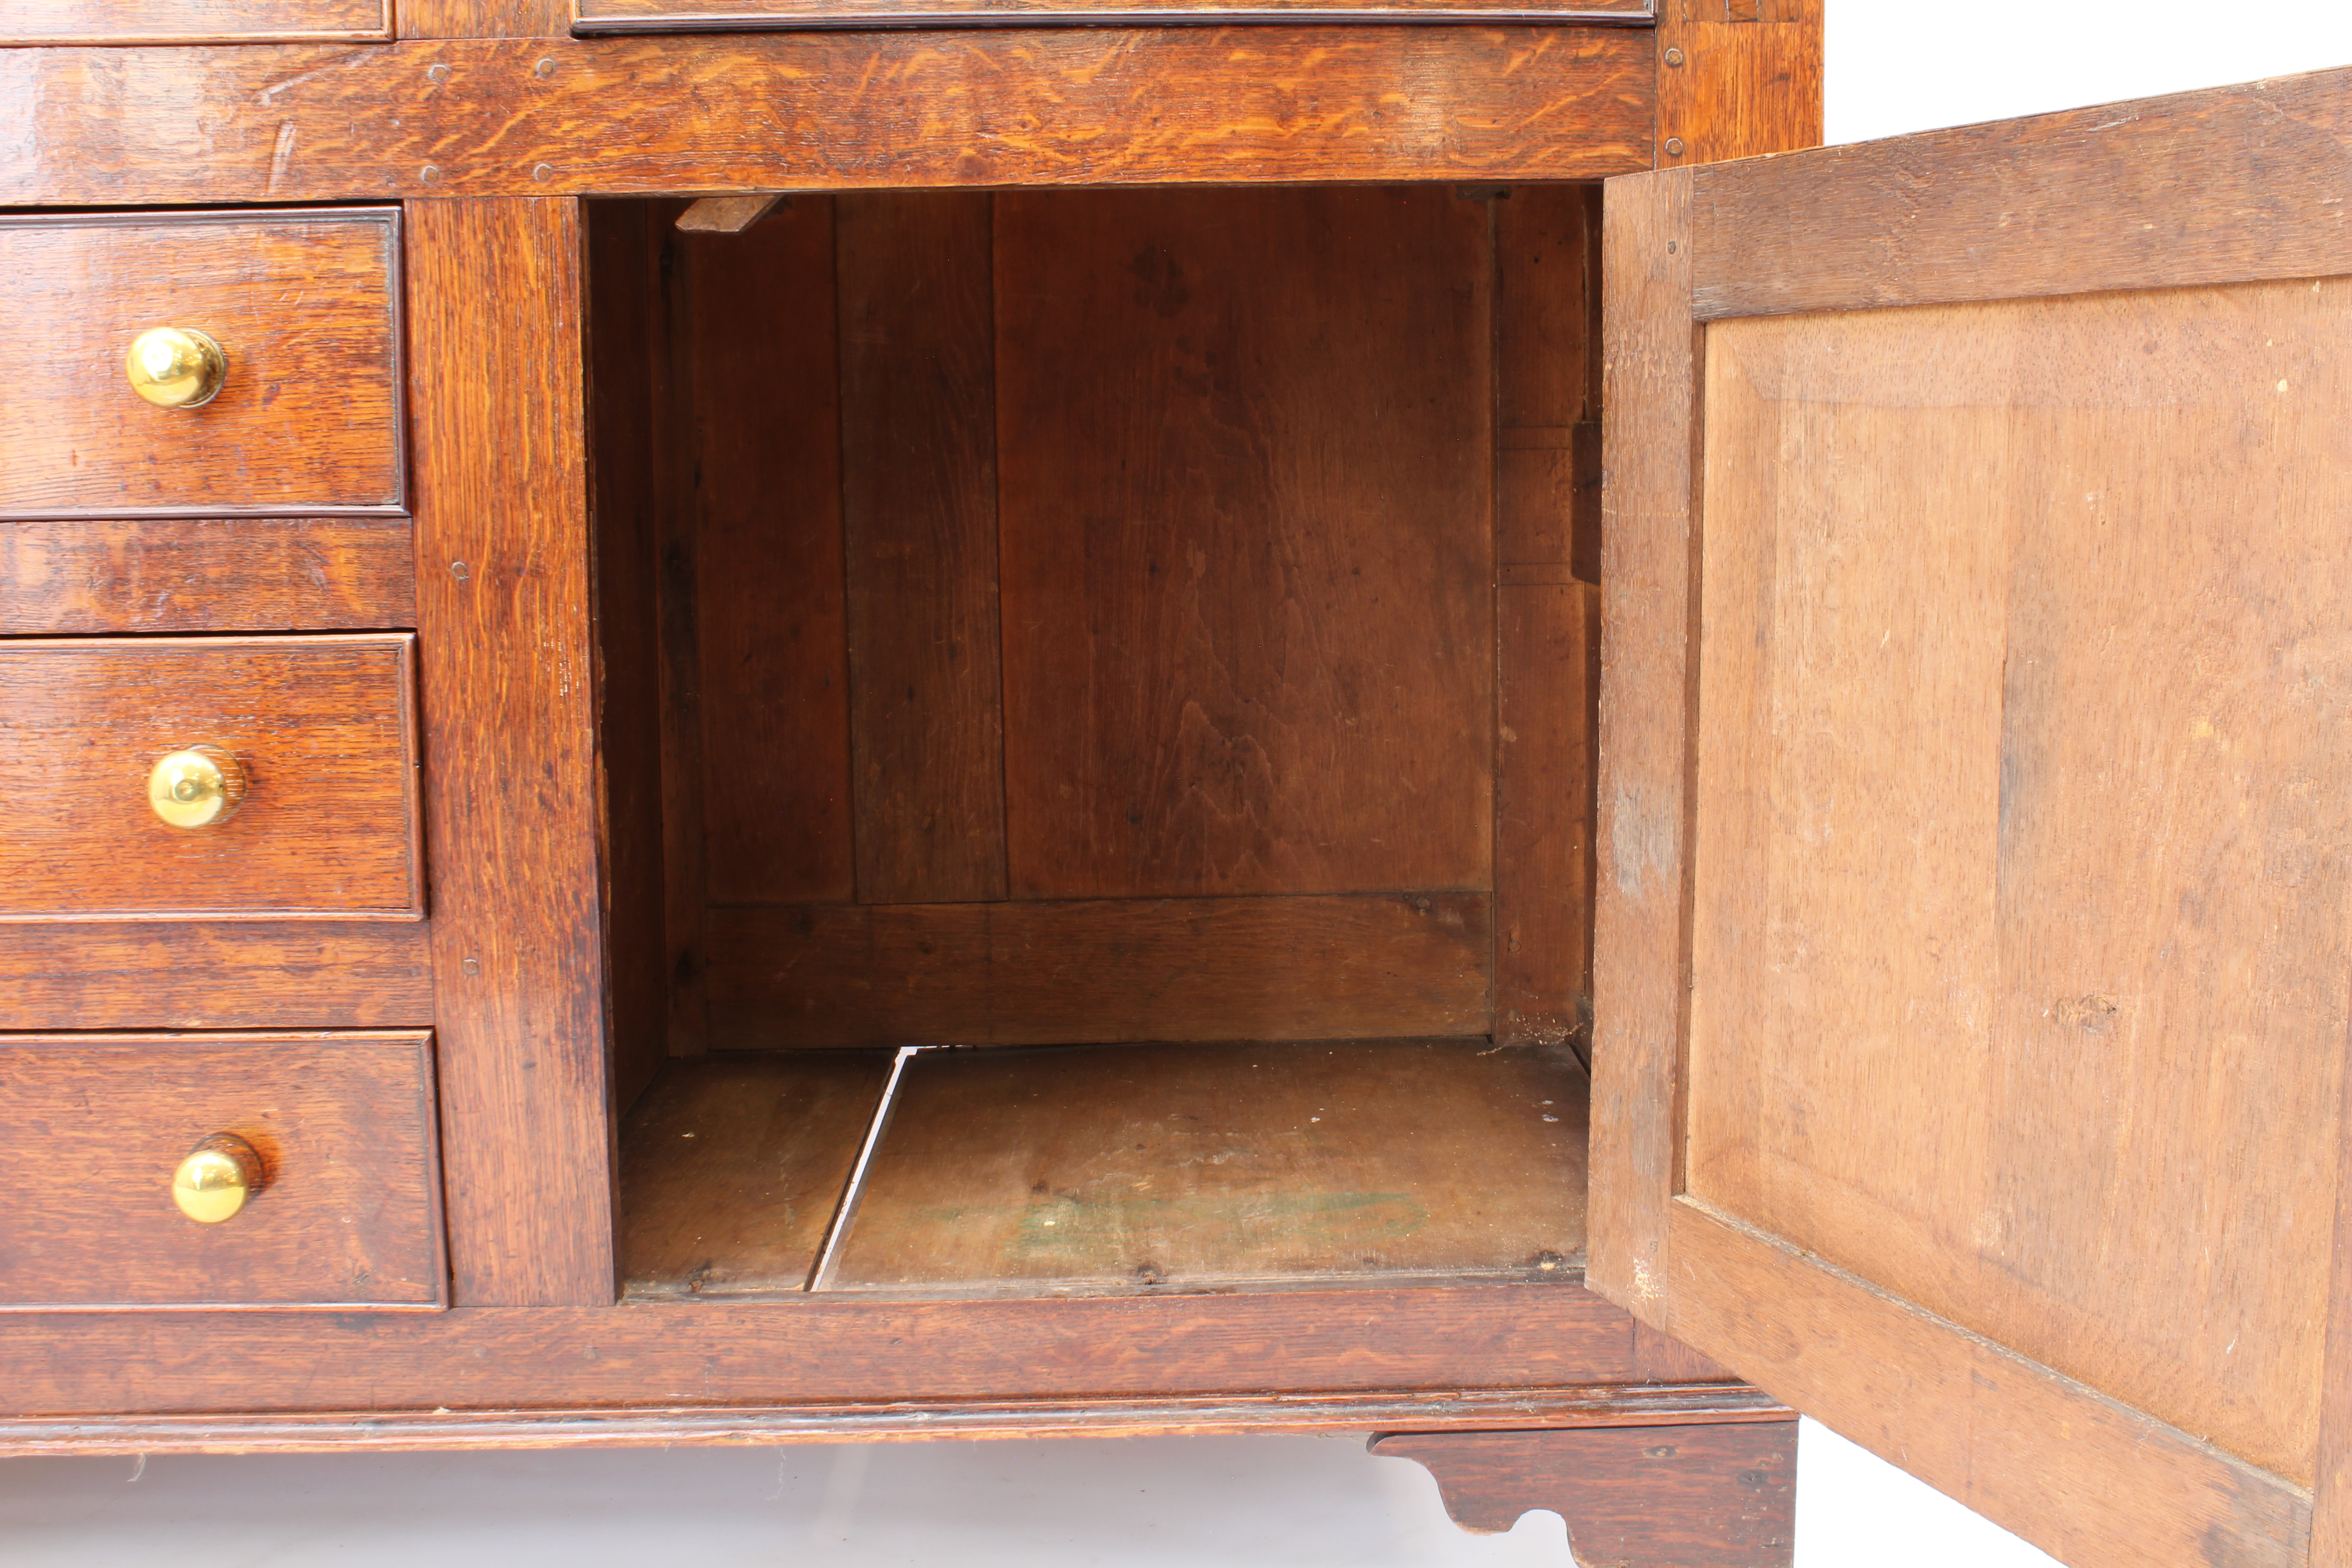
[346,1213]
[193,21]
[321,729]
[650,16]
[304,305]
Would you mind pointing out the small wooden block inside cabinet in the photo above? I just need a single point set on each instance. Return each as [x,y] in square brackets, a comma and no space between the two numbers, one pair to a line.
[790,729]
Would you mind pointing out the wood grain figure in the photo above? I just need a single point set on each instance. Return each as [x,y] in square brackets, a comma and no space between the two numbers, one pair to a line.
[82,575]
[347,1211]
[919,509]
[214,974]
[513,809]
[1246,507]
[985,107]
[1638,1496]
[1086,970]
[193,21]
[305,306]
[322,732]
[1109,1169]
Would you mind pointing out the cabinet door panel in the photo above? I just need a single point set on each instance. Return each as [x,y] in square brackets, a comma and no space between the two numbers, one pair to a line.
[1973,951]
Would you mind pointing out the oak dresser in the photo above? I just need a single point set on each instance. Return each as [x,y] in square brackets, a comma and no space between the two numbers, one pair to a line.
[758,720]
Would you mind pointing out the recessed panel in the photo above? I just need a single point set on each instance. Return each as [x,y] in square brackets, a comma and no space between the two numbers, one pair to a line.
[2022,841]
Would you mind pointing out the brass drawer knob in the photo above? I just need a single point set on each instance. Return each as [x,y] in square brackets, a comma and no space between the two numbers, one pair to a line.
[176,367]
[212,1183]
[196,788]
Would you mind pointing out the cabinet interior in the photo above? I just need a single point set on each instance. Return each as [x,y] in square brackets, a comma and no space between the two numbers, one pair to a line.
[1139,647]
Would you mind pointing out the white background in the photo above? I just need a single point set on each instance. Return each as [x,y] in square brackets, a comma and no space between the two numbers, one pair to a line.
[1894,65]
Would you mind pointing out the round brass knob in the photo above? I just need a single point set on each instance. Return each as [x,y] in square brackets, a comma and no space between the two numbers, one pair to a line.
[212,1183]
[176,367]
[196,788]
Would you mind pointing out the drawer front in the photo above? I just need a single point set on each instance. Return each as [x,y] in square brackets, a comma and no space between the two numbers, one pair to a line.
[653,16]
[345,1211]
[304,307]
[193,21]
[319,731]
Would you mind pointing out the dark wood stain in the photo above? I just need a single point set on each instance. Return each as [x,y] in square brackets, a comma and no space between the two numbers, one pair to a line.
[1431,1410]
[654,15]
[1548,711]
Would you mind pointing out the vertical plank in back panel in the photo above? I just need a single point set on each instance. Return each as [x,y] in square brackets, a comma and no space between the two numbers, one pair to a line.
[918,514]
[1550,642]
[1247,472]
[507,661]
[625,342]
[677,638]
[765,492]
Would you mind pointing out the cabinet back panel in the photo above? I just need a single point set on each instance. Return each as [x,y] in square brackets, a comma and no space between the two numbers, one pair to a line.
[1113,554]
[1035,972]
[1246,449]
[2110,940]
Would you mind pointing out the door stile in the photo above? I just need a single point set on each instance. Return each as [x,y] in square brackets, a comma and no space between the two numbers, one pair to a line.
[1648,583]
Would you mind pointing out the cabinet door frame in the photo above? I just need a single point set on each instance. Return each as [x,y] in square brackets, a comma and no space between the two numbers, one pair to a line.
[2231,185]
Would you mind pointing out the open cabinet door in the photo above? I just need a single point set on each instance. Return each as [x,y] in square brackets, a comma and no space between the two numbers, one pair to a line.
[1976,806]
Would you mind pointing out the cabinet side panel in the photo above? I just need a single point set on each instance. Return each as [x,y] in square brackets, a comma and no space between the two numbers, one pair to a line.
[625,341]
[512,811]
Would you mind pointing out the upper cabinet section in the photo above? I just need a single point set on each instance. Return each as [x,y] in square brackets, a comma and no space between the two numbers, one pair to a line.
[669,15]
[193,363]
[192,21]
